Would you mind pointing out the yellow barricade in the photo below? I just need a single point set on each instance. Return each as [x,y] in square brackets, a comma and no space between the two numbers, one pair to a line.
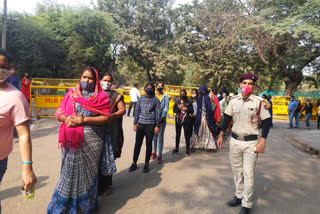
[280,106]
[46,95]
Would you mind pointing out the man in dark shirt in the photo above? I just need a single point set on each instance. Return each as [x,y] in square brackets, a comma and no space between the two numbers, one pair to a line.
[13,79]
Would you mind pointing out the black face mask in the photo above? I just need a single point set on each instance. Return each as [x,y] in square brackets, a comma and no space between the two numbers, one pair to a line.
[160,89]
[149,92]
[183,97]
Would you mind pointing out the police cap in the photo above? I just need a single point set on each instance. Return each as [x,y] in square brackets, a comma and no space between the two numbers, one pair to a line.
[248,76]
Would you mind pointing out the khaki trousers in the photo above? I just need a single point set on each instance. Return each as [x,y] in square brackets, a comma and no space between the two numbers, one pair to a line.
[243,161]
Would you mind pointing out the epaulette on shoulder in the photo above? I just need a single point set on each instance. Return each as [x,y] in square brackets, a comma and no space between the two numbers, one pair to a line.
[259,98]
[235,96]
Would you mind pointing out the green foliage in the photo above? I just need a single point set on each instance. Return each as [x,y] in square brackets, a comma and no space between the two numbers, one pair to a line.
[208,42]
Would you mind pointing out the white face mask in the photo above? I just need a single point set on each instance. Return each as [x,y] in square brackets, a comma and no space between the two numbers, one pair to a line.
[106,86]
[193,95]
[4,74]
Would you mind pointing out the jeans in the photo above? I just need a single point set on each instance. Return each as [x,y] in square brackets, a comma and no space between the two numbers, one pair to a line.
[187,127]
[297,118]
[134,108]
[143,130]
[291,115]
[3,169]
[159,139]
[271,123]
[308,115]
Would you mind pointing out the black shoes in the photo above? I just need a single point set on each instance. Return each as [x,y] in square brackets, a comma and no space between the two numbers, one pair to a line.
[234,202]
[244,210]
[146,168]
[187,154]
[175,151]
[133,167]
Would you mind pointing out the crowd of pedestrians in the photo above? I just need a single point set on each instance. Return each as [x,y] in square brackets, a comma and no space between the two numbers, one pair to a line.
[91,135]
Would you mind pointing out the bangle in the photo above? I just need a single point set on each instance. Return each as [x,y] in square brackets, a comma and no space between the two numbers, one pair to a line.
[26,162]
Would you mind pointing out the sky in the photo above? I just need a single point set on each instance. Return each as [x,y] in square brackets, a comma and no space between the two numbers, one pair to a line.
[29,5]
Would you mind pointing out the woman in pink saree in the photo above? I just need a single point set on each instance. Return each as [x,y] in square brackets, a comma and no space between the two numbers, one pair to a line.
[82,136]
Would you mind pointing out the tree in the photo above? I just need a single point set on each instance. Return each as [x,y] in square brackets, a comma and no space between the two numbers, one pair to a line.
[147,37]
[286,35]
[86,36]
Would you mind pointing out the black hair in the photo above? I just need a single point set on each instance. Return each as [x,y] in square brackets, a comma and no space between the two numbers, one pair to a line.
[160,82]
[135,85]
[292,96]
[183,90]
[195,90]
[264,96]
[318,103]
[92,72]
[110,75]
[6,55]
[152,85]
[214,90]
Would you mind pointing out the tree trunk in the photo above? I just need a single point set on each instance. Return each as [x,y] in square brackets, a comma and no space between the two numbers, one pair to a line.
[271,77]
[294,80]
[149,76]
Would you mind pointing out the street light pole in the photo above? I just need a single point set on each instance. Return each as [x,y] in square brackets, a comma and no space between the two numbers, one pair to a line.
[4,26]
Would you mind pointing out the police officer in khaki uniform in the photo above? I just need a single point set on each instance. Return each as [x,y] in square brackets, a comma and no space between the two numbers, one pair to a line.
[247,112]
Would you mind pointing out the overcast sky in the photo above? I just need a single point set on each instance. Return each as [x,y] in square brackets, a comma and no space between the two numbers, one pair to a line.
[29,5]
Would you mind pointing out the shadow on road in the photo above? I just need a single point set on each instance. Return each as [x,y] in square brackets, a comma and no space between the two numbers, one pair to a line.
[129,185]
[14,191]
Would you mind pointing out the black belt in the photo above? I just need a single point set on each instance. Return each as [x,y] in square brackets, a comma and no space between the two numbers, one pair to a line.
[244,138]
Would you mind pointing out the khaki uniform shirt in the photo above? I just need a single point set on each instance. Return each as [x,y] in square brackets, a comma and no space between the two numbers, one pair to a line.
[245,114]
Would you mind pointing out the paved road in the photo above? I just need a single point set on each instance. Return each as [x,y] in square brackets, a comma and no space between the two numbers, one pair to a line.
[287,180]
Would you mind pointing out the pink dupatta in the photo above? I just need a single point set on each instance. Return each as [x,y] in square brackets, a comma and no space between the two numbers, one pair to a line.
[98,103]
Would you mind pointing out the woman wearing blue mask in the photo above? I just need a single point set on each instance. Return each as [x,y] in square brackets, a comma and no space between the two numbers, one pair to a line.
[146,124]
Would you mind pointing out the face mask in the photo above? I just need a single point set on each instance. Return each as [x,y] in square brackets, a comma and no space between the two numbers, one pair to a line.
[160,89]
[183,97]
[219,95]
[308,103]
[291,99]
[246,90]
[87,86]
[149,92]
[106,86]
[193,95]
[4,74]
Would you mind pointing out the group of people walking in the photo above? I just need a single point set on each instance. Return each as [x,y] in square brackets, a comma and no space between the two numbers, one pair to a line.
[295,110]
[91,135]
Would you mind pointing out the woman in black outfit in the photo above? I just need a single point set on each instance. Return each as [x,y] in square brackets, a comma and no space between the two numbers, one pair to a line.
[182,108]
[308,109]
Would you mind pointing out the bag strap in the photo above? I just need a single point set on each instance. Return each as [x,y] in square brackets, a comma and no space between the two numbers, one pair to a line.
[258,114]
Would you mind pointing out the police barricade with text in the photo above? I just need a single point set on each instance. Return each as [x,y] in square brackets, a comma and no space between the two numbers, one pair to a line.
[46,95]
[280,106]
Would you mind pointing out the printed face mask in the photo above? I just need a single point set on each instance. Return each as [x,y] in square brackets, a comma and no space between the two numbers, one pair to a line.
[106,86]
[87,86]
[246,90]
[4,74]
